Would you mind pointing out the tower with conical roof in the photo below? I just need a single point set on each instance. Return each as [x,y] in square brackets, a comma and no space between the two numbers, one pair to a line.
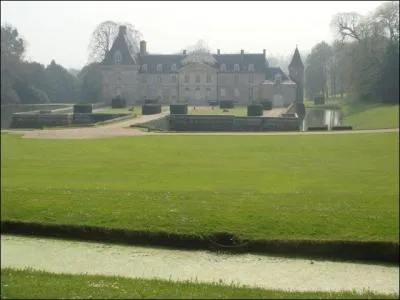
[296,73]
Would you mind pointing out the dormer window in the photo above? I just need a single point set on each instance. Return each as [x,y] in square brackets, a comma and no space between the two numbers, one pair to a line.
[236,68]
[159,68]
[117,58]
[251,67]
[144,68]
[173,67]
[223,68]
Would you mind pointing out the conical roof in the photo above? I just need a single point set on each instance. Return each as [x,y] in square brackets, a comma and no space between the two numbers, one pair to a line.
[296,60]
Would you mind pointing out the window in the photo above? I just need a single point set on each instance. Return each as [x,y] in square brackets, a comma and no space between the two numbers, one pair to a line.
[159,67]
[208,94]
[236,79]
[278,79]
[251,78]
[159,79]
[117,57]
[173,67]
[251,67]
[222,92]
[236,68]
[237,93]
[222,81]
[186,78]
[208,79]
[143,79]
[173,78]
[223,68]
[197,78]
[144,68]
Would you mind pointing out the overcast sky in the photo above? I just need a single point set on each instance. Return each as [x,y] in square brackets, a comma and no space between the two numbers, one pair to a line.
[61,30]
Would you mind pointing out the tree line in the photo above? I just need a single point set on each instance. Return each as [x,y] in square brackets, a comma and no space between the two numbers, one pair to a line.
[24,82]
[362,62]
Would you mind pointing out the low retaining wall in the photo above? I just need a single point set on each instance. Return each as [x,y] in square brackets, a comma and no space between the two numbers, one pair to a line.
[232,123]
[387,252]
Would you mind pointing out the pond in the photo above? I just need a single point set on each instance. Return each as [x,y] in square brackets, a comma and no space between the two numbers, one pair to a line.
[269,272]
[321,117]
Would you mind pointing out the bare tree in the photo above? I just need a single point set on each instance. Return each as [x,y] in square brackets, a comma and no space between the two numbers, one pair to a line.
[199,52]
[349,25]
[103,38]
[387,14]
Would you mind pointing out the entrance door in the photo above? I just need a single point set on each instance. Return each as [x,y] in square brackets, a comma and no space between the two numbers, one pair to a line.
[277,101]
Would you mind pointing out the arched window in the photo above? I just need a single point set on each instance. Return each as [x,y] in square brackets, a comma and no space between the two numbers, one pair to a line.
[117,57]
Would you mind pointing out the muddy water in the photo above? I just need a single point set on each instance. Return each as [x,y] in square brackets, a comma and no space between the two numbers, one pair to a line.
[247,269]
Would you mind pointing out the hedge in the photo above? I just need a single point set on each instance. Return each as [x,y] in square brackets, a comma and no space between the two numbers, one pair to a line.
[178,109]
[226,104]
[151,109]
[318,128]
[150,101]
[118,103]
[342,128]
[319,100]
[266,105]
[82,108]
[254,110]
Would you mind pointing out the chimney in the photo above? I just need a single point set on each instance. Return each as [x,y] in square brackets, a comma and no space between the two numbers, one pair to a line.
[122,30]
[218,51]
[264,52]
[242,52]
[142,48]
[184,52]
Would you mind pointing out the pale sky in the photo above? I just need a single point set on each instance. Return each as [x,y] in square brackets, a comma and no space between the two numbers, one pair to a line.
[62,30]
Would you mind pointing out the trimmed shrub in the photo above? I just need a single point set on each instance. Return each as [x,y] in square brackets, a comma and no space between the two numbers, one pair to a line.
[178,109]
[25,121]
[254,110]
[226,104]
[266,105]
[151,109]
[118,103]
[150,101]
[82,108]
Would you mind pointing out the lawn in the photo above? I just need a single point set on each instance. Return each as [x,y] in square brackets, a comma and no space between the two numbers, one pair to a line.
[108,110]
[337,187]
[31,284]
[374,117]
[208,110]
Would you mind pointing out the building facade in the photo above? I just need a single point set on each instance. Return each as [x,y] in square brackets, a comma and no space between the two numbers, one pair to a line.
[198,77]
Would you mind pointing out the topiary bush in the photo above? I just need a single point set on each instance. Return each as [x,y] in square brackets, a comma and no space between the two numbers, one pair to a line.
[266,105]
[254,110]
[151,109]
[226,104]
[118,103]
[83,108]
[178,109]
[319,100]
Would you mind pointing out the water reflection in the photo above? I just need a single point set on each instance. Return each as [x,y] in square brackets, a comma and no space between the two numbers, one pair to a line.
[321,117]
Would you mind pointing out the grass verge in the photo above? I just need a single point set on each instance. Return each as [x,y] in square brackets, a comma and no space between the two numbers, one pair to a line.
[43,285]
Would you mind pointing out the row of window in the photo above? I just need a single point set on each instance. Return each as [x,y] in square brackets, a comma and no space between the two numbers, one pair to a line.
[198,79]
[187,93]
[236,68]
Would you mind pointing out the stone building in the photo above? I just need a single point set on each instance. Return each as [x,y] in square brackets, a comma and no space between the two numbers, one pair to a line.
[196,78]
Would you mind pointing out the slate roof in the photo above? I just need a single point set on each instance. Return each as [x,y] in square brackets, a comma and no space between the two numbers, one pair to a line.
[296,60]
[270,74]
[167,60]
[120,43]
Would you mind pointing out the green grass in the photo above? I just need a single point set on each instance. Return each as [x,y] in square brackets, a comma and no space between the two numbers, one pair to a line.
[205,110]
[373,117]
[37,284]
[108,110]
[337,187]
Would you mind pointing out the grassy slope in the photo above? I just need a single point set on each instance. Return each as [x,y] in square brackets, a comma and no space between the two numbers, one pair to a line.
[35,284]
[386,116]
[340,187]
[237,111]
